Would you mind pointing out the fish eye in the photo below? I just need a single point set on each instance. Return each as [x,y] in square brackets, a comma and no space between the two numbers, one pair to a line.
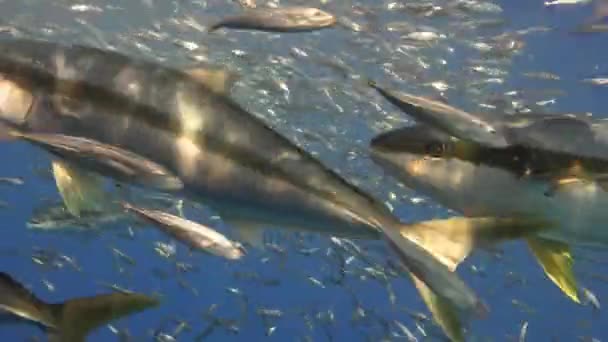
[435,149]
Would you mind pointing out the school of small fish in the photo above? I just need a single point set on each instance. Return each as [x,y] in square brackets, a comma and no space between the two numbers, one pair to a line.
[309,169]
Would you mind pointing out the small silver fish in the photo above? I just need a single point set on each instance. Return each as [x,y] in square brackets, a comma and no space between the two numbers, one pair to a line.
[285,19]
[109,160]
[195,235]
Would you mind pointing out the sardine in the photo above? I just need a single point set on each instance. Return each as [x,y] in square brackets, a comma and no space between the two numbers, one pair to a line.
[195,235]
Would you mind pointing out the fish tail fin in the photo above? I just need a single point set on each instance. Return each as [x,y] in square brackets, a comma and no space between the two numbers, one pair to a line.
[77,318]
[74,319]
[450,241]
[556,260]
[21,302]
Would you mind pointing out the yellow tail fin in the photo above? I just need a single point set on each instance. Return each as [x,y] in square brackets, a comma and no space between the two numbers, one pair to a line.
[451,241]
[556,261]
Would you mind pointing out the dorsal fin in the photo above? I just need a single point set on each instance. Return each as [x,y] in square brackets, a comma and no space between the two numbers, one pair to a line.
[217,79]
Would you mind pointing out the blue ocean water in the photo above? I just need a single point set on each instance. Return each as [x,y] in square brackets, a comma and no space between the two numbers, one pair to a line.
[336,124]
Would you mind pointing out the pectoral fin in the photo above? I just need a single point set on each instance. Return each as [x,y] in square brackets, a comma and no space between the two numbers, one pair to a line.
[556,261]
[81,191]
[451,241]
[217,79]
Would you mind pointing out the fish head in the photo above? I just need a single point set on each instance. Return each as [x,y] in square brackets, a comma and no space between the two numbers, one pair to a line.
[416,155]
[15,102]
[315,17]
[454,173]
[415,141]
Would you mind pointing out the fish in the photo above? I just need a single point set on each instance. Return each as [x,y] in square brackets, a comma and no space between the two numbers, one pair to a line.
[534,143]
[227,158]
[119,164]
[193,234]
[450,119]
[58,217]
[283,19]
[71,320]
[477,181]
[566,2]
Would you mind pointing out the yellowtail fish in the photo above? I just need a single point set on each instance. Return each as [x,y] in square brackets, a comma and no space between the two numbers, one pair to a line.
[73,319]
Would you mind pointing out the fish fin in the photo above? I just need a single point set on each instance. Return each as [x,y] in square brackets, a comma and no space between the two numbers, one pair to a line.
[19,301]
[451,241]
[7,132]
[216,25]
[76,318]
[556,260]
[442,311]
[81,191]
[217,79]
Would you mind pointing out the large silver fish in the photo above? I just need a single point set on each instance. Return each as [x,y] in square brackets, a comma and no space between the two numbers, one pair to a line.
[72,320]
[480,181]
[477,181]
[226,157]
